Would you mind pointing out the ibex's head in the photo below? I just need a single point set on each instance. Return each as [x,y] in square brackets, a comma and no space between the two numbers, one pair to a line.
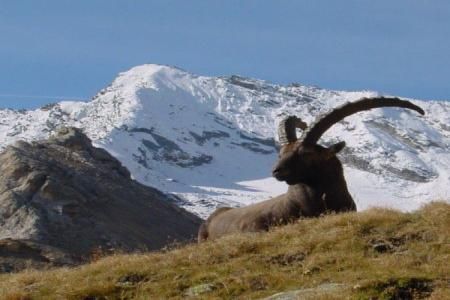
[303,160]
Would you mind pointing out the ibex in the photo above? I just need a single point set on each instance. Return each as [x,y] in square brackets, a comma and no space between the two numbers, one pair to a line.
[314,174]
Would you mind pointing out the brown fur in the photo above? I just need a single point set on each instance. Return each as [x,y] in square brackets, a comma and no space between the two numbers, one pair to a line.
[315,187]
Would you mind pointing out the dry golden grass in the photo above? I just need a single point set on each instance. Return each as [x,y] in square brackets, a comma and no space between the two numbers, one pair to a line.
[378,254]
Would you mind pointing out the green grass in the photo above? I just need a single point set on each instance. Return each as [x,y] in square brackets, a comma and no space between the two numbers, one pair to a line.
[377,254]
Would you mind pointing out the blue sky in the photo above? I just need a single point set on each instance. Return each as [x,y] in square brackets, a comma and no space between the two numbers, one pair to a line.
[53,50]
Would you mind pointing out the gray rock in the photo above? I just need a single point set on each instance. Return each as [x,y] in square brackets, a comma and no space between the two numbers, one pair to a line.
[327,289]
[207,136]
[68,195]
[16,255]
[200,290]
[169,151]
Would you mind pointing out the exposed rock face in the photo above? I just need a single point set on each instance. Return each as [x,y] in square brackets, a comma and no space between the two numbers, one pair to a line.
[16,255]
[66,194]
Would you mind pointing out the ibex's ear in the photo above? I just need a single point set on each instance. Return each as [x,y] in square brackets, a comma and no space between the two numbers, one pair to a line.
[336,148]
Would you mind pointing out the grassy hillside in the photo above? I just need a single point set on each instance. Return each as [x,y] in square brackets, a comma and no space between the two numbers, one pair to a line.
[375,254]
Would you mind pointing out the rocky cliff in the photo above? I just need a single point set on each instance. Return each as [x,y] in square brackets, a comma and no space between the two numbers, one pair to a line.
[62,199]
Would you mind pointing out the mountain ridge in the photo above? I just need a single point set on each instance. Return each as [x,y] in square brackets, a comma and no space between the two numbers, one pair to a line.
[212,140]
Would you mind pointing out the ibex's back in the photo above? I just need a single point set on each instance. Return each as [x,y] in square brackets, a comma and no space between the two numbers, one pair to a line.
[313,172]
[261,216]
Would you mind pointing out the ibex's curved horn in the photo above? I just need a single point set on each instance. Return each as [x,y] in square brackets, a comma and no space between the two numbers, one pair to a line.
[323,123]
[286,129]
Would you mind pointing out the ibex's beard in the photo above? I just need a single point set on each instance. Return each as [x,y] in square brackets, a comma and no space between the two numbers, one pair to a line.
[291,182]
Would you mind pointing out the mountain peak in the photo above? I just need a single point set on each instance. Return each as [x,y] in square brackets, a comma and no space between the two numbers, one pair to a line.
[154,70]
[152,76]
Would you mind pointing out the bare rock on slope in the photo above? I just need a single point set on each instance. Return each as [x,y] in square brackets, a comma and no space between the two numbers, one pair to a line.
[16,255]
[68,195]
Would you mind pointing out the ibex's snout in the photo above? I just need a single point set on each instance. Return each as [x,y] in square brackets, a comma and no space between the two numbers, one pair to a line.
[279,173]
[275,172]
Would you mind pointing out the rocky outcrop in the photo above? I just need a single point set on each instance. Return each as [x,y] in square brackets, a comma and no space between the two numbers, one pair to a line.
[68,195]
[16,255]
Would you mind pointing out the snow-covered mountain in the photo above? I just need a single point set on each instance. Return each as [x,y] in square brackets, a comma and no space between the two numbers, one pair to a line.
[211,140]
